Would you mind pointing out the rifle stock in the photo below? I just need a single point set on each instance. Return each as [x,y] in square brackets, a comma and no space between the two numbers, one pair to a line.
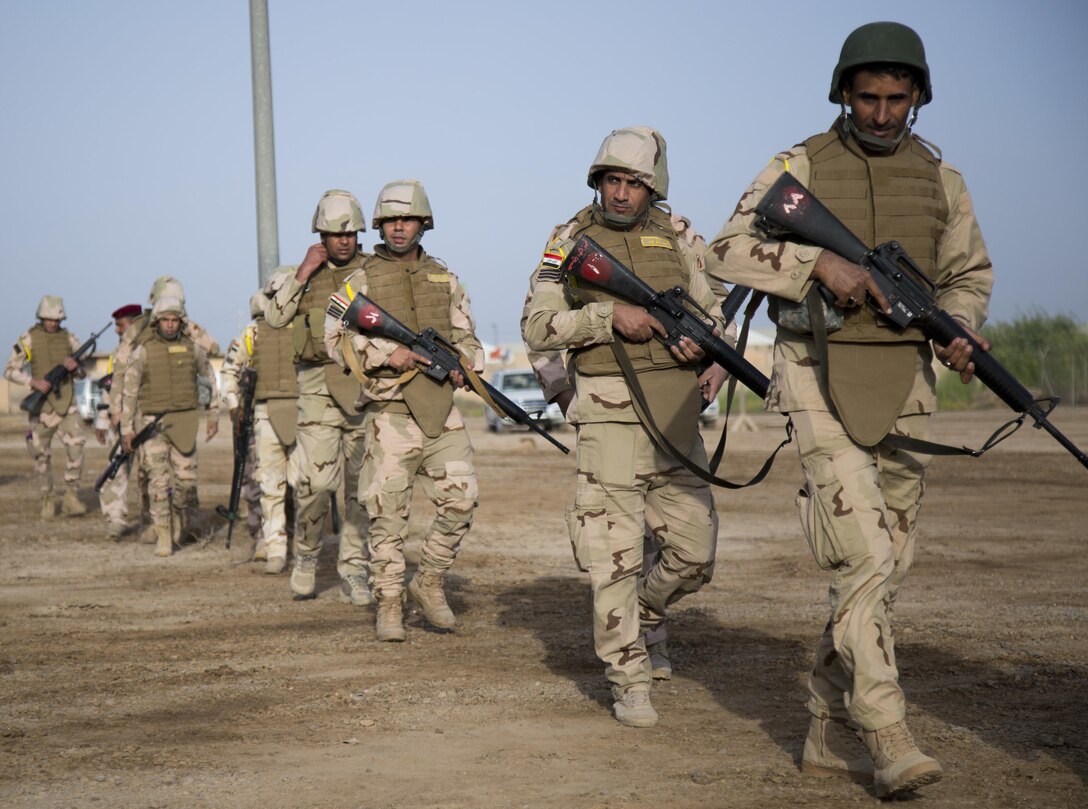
[32,403]
[119,457]
[788,208]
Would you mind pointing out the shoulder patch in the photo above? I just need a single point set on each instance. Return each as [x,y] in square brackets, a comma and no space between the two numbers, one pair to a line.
[438,277]
[655,241]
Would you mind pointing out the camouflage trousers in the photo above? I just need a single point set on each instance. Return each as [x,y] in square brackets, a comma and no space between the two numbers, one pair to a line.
[624,486]
[398,453]
[251,491]
[39,445]
[275,473]
[113,498]
[859,508]
[328,439]
[171,482]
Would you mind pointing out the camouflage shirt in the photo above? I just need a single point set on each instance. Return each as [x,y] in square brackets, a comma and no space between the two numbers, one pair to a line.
[239,356]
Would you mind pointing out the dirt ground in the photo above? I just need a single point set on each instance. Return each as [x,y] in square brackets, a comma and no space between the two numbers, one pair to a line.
[196,681]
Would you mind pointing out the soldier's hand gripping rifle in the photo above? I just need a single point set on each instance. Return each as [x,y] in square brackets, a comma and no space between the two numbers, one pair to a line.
[681,316]
[118,456]
[243,431]
[364,316]
[32,403]
[788,208]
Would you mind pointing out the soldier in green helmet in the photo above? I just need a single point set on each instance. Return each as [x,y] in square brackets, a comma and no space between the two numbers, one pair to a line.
[625,482]
[414,432]
[38,350]
[864,381]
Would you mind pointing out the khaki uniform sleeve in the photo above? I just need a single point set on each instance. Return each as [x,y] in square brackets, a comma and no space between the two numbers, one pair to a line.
[284,304]
[121,359]
[740,254]
[236,361]
[200,336]
[16,369]
[130,389]
[204,369]
[463,326]
[549,366]
[964,272]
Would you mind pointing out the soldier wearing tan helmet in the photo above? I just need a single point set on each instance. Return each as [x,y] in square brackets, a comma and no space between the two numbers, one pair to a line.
[329,435]
[161,380]
[269,468]
[844,394]
[37,351]
[413,430]
[625,483]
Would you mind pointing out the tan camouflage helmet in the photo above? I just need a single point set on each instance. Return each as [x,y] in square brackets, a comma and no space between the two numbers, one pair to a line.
[167,305]
[403,198]
[638,150]
[166,285]
[51,307]
[258,303]
[338,212]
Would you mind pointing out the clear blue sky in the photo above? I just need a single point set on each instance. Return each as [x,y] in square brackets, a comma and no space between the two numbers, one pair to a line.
[126,146]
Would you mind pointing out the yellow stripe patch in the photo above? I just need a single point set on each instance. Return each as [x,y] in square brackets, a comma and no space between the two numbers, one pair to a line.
[656,241]
[438,277]
[177,350]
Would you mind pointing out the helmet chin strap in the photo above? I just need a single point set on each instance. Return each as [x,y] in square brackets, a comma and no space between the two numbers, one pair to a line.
[409,247]
[872,142]
[616,219]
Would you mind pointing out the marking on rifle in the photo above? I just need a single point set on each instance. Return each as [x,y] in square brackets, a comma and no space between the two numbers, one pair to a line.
[795,197]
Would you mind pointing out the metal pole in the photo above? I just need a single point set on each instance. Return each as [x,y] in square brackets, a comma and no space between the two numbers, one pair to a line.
[264,148]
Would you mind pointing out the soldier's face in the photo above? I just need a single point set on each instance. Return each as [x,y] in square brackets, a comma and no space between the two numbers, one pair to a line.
[401,231]
[880,104]
[169,326]
[341,247]
[50,325]
[622,194]
[120,324]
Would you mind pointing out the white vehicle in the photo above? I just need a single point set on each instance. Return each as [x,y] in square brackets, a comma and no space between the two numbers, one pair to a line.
[521,387]
[87,394]
[709,416]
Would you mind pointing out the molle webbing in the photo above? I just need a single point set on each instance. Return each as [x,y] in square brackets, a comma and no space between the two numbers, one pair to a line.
[308,334]
[417,293]
[274,362]
[169,380]
[47,352]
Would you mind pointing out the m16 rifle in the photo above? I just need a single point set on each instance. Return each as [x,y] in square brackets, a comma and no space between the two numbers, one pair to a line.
[790,209]
[243,432]
[32,403]
[364,316]
[118,456]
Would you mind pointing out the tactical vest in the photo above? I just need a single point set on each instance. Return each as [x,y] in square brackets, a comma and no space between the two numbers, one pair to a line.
[274,361]
[308,332]
[653,254]
[417,293]
[46,353]
[881,198]
[169,378]
[141,329]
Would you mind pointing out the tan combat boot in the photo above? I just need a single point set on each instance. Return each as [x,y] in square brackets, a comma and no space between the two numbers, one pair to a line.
[426,590]
[164,543]
[115,530]
[260,551]
[833,749]
[389,625]
[900,765]
[49,508]
[71,506]
[632,707]
[304,577]
[275,565]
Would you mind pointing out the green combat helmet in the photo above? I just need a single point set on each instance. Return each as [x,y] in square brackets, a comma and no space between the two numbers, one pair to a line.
[51,307]
[638,150]
[338,212]
[165,285]
[882,43]
[401,199]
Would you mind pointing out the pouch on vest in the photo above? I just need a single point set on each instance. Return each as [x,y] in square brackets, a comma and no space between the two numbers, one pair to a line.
[343,388]
[674,401]
[797,317]
[283,416]
[869,383]
[180,429]
[430,402]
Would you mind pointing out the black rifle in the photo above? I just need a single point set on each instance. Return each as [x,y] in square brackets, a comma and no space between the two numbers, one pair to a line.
[243,431]
[364,316]
[676,310]
[118,457]
[105,383]
[32,403]
[788,208]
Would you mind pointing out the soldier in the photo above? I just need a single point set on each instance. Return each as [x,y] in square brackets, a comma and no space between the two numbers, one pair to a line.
[624,480]
[329,428]
[44,346]
[113,498]
[845,395]
[270,353]
[413,431]
[161,379]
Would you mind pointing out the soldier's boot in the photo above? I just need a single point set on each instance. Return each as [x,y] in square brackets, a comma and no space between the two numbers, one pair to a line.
[71,506]
[899,765]
[389,624]
[426,590]
[147,534]
[355,590]
[115,530]
[304,577]
[260,550]
[833,749]
[275,564]
[660,664]
[48,507]
[164,541]
[633,708]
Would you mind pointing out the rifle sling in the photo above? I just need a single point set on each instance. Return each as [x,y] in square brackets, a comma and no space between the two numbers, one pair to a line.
[665,446]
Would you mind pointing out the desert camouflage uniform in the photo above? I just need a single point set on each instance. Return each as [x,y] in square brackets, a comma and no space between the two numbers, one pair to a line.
[328,437]
[48,422]
[860,504]
[397,449]
[113,497]
[625,484]
[237,359]
[171,473]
